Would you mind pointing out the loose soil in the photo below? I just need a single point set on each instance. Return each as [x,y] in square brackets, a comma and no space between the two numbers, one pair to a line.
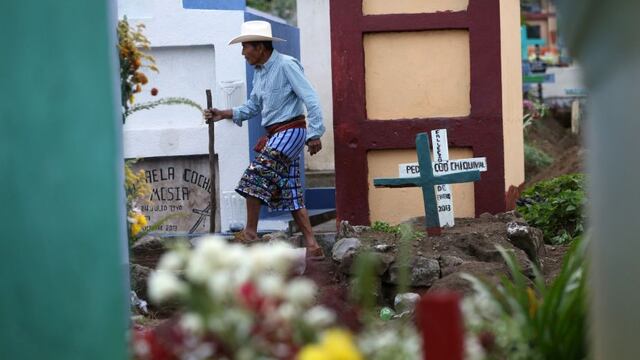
[558,142]
[472,240]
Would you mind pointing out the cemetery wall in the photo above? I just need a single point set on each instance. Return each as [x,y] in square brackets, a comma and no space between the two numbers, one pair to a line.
[511,95]
[417,66]
[190,46]
[315,45]
[417,74]
[378,7]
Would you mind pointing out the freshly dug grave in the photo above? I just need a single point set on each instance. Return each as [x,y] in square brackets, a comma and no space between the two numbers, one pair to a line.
[438,261]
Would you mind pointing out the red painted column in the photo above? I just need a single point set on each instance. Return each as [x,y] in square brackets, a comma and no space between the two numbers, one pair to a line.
[441,323]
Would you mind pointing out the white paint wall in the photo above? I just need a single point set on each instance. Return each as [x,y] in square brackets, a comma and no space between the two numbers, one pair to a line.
[567,79]
[190,47]
[315,50]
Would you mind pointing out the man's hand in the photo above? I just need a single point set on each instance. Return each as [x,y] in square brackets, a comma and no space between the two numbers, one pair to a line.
[313,146]
[213,115]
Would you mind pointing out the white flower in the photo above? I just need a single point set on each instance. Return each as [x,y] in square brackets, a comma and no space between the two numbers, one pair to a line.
[472,348]
[198,269]
[283,256]
[234,255]
[276,256]
[171,261]
[287,312]
[164,285]
[238,322]
[319,316]
[211,248]
[219,285]
[192,323]
[301,292]
[270,285]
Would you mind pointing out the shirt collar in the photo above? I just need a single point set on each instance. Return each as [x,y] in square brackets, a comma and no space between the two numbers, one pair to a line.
[272,59]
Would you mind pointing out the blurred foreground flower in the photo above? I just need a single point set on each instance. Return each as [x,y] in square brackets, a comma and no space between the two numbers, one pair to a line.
[238,302]
[335,345]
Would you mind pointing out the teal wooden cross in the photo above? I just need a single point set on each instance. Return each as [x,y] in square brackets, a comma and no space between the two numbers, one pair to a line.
[427,181]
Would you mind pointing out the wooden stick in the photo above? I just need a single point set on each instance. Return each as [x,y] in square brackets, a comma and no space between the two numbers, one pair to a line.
[212,167]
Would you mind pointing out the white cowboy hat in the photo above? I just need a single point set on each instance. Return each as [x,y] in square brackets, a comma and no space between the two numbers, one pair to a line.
[255,31]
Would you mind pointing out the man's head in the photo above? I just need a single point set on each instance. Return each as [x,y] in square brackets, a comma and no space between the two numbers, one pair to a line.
[257,52]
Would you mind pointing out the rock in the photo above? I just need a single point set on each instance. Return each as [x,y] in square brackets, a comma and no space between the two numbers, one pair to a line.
[453,281]
[361,228]
[277,236]
[384,247]
[342,246]
[345,230]
[483,252]
[406,302]
[147,252]
[528,239]
[510,216]
[486,216]
[138,276]
[423,272]
[449,263]
[346,263]
[384,260]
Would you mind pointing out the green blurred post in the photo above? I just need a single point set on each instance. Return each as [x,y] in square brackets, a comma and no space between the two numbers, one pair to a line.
[603,35]
[61,274]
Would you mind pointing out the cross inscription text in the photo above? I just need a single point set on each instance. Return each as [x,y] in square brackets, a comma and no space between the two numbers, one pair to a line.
[427,181]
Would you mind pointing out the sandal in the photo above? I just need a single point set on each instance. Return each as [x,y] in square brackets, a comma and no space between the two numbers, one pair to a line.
[241,238]
[315,254]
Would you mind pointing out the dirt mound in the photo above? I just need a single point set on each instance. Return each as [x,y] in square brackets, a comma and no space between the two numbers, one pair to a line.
[469,247]
[558,142]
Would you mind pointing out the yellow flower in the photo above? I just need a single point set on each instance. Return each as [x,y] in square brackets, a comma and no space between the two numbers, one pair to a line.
[135,229]
[141,220]
[312,352]
[336,344]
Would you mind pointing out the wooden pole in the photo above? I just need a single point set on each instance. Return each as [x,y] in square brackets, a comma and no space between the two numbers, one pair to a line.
[212,167]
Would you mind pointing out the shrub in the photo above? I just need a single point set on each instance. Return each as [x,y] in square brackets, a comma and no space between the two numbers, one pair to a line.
[556,207]
[396,230]
[535,159]
[517,321]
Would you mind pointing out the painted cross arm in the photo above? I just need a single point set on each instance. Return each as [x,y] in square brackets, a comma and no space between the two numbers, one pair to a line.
[467,176]
[398,182]
[461,177]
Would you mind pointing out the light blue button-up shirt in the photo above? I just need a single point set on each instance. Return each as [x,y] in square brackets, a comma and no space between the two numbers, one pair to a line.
[279,91]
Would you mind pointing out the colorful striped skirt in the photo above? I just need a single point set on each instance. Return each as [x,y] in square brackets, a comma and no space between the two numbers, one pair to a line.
[274,176]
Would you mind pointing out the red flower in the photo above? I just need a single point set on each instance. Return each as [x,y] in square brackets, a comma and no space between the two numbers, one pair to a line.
[249,296]
[146,345]
[487,341]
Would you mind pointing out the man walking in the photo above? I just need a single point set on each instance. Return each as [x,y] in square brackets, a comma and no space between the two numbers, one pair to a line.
[280,89]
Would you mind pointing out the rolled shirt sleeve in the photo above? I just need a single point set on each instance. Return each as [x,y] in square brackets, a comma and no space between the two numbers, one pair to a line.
[303,88]
[248,110]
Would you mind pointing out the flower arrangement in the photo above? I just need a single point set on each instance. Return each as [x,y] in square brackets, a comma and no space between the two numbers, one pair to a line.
[132,47]
[137,192]
[533,110]
[238,301]
[243,302]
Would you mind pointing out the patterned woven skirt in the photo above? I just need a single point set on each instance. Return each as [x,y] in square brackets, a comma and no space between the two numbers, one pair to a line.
[274,176]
